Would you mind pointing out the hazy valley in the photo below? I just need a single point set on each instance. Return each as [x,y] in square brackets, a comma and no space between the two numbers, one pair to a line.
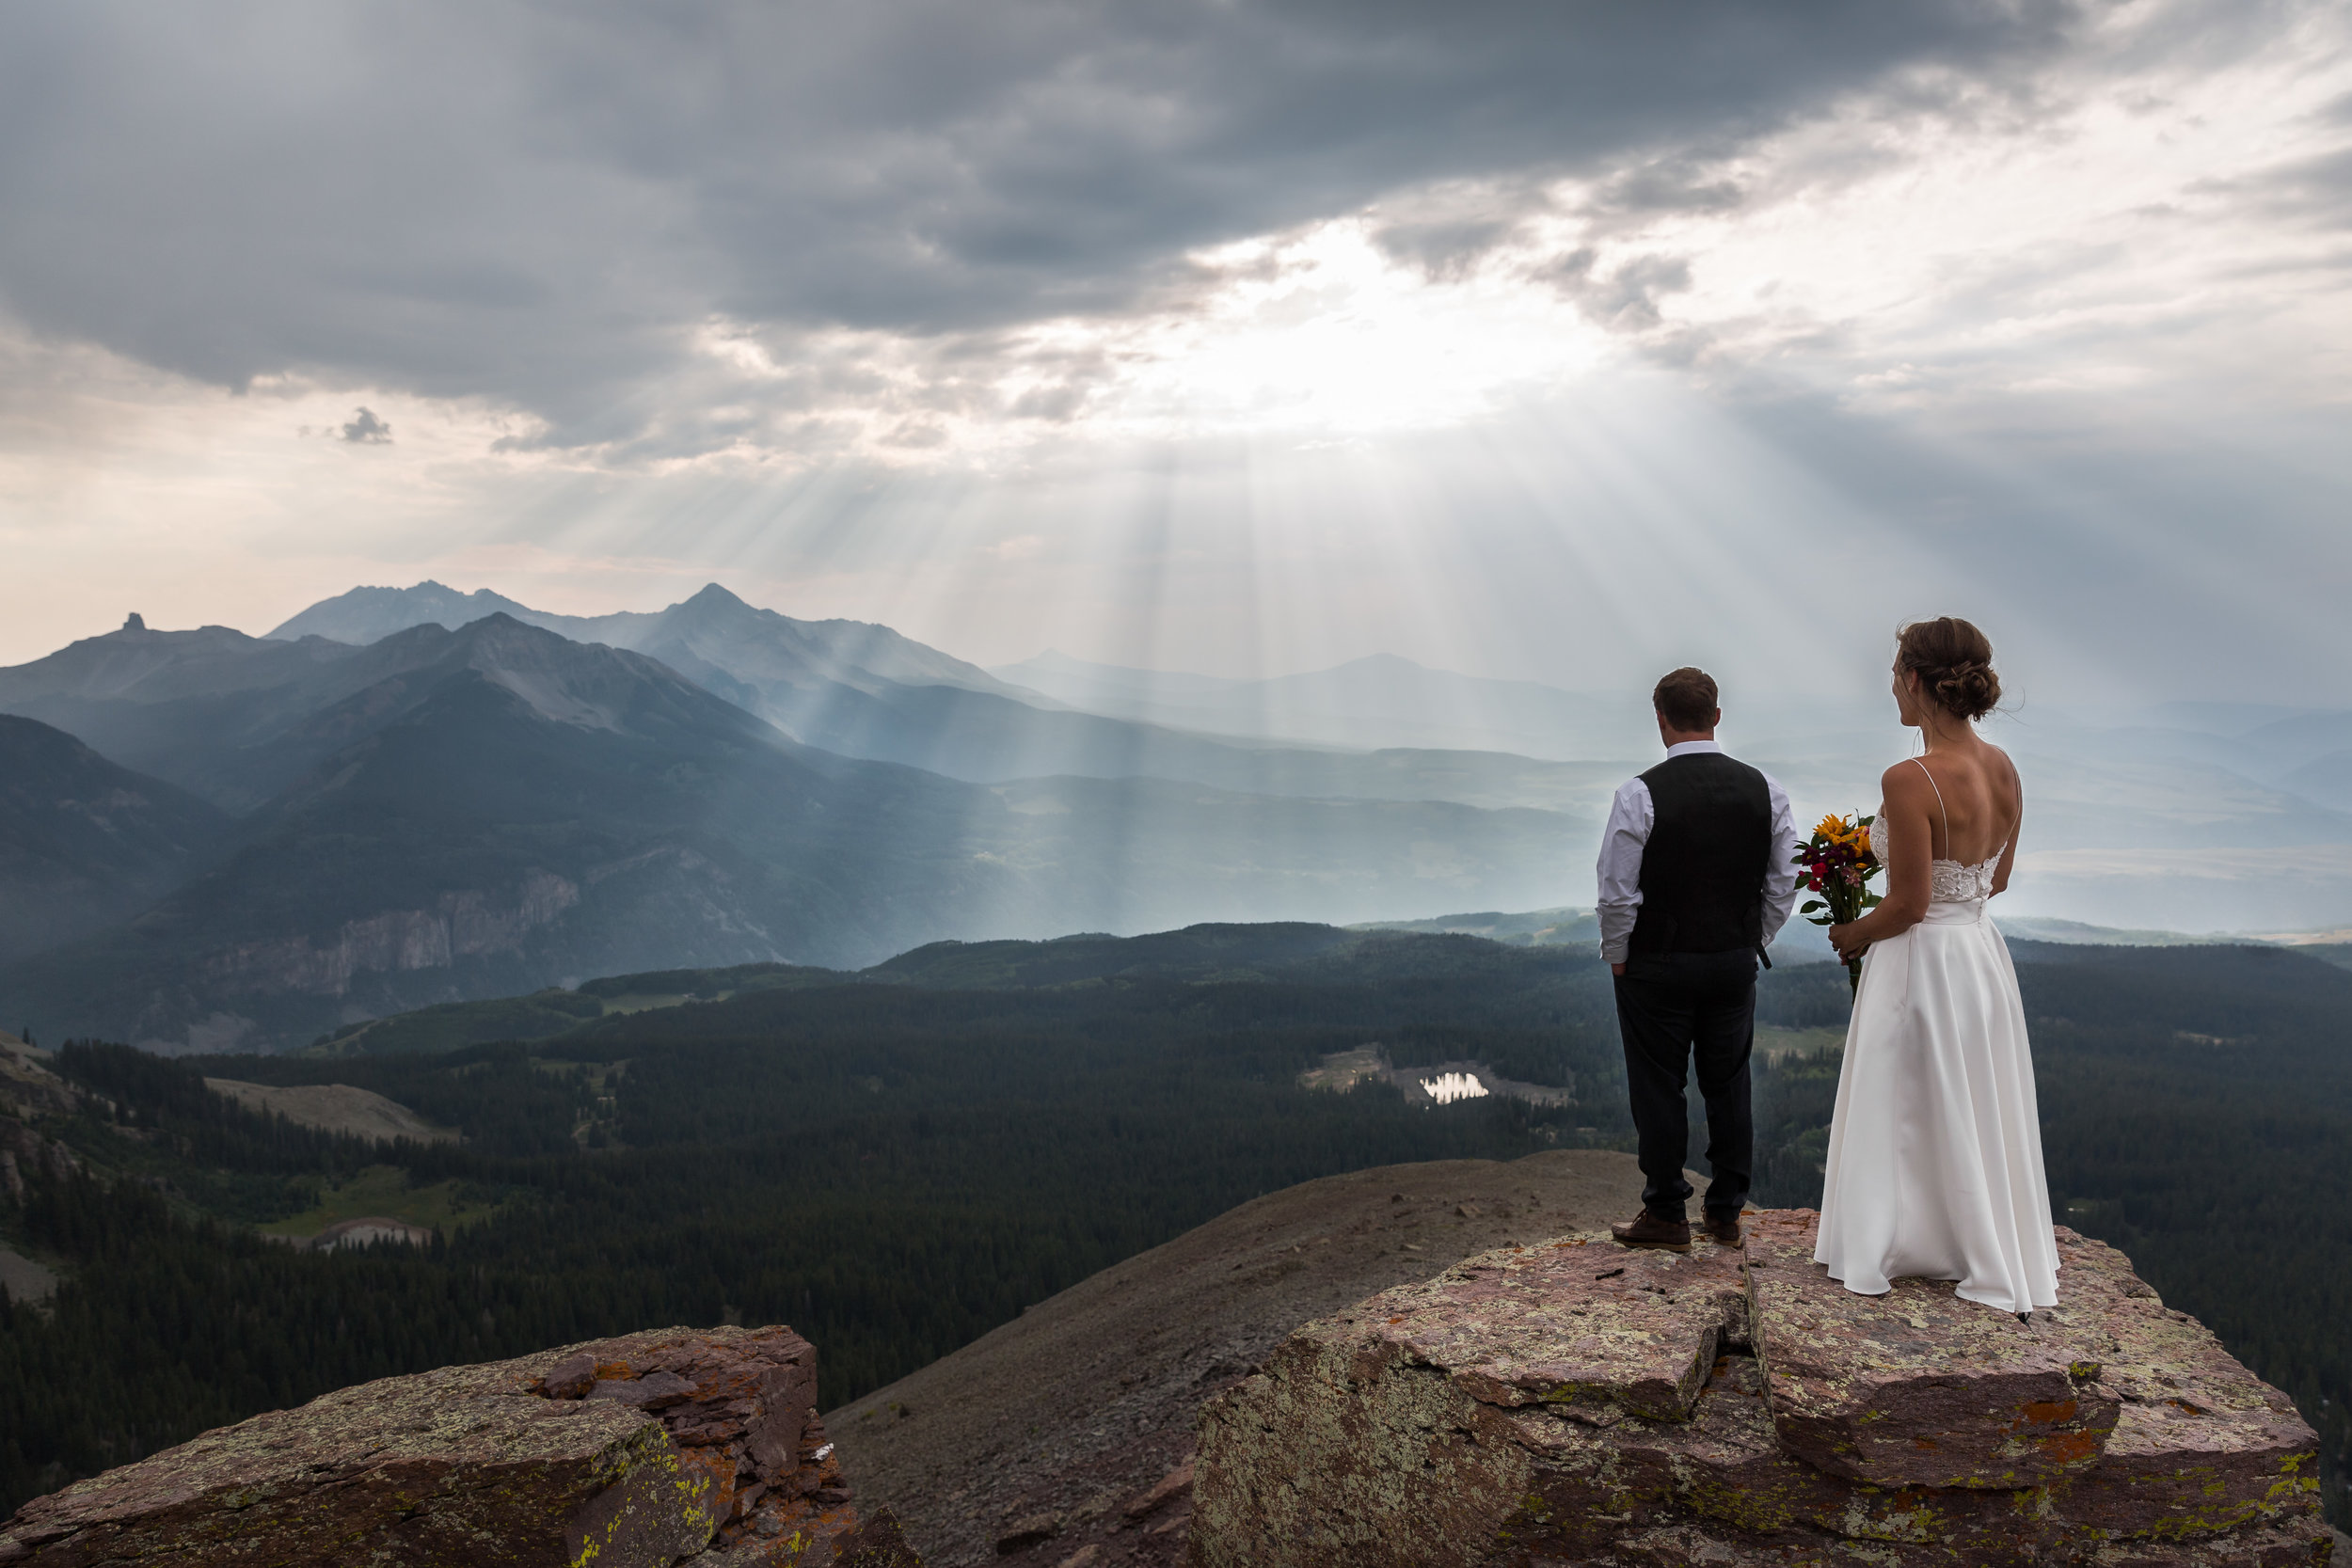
[401,797]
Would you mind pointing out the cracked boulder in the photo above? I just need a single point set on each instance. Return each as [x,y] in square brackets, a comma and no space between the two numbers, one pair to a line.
[1917,1387]
[1579,1403]
[635,1452]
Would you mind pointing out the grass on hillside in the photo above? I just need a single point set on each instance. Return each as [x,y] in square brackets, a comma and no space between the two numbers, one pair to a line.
[1774,1042]
[383,1191]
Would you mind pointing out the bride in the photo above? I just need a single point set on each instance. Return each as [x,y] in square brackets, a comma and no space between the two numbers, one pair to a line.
[1935,1152]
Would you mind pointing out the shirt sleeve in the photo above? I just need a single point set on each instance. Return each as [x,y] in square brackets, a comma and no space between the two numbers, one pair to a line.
[1780,872]
[1618,874]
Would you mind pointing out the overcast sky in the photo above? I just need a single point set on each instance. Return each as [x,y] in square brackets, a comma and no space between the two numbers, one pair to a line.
[1559,340]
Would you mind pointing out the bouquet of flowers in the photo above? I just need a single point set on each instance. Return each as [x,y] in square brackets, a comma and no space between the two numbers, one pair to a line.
[1837,864]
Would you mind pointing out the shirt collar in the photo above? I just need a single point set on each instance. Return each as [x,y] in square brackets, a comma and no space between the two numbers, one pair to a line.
[1690,748]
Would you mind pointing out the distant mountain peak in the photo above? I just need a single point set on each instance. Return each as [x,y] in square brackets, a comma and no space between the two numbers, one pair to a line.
[712,637]
[366,615]
[713,603]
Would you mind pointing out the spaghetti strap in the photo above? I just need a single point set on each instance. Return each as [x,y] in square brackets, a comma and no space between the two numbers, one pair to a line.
[1939,806]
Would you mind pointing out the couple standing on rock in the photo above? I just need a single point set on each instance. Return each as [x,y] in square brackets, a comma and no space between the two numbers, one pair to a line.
[1935,1164]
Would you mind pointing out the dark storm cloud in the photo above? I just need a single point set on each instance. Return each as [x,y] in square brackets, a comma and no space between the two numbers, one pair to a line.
[1625,298]
[367,430]
[539,203]
[1672,185]
[1442,247]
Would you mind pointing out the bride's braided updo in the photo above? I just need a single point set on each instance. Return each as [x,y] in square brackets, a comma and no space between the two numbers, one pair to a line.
[1954,663]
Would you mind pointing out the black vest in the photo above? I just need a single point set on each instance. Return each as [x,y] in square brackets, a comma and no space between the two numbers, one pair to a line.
[1703,869]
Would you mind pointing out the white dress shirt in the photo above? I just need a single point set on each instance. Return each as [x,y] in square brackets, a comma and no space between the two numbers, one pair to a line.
[1631,817]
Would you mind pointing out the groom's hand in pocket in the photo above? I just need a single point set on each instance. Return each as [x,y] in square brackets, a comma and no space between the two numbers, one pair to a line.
[1616,969]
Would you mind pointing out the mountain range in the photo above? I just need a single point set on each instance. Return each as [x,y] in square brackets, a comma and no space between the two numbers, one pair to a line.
[407,796]
[863,690]
[451,814]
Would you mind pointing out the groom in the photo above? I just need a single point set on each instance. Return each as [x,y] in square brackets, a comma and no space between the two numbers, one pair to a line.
[1697,873]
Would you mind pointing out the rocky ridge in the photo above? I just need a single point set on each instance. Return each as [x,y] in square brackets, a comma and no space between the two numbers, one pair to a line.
[1575,1401]
[1066,1436]
[654,1449]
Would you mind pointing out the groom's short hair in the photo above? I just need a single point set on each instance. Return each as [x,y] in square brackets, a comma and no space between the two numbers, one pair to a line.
[1686,699]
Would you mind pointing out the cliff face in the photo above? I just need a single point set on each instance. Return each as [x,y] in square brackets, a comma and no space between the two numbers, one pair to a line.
[1575,1401]
[468,923]
[637,1452]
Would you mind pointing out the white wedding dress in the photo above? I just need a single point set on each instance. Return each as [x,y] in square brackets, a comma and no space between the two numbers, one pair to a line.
[1935,1150]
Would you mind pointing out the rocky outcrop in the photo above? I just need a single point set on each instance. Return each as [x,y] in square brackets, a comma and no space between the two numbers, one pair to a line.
[637,1452]
[1051,1429]
[465,923]
[1575,1401]
[30,1091]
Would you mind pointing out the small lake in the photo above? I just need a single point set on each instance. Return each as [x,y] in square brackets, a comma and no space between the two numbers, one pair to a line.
[1447,1087]
[1439,1083]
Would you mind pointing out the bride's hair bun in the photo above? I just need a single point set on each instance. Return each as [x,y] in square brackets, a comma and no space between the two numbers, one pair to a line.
[1954,663]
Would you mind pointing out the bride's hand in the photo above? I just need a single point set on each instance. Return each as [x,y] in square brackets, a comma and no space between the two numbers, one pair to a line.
[1843,938]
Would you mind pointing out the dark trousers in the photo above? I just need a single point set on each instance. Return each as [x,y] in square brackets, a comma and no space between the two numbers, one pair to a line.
[1672,1007]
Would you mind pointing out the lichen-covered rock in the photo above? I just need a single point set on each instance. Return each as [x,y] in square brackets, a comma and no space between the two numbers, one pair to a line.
[1404,1402]
[1415,1428]
[1385,1435]
[1596,1331]
[640,1451]
[1697,1544]
[2202,1444]
[1917,1387]
[429,1469]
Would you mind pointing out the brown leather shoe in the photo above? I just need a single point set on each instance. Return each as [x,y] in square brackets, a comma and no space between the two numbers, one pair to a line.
[1724,1230]
[1646,1229]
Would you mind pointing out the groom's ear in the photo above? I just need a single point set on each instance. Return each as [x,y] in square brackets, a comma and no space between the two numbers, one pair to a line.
[1715,720]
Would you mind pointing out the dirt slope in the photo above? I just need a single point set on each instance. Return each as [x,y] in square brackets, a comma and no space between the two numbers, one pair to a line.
[334,1108]
[1051,1426]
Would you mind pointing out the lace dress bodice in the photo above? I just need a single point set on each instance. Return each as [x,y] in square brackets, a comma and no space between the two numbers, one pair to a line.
[1949,881]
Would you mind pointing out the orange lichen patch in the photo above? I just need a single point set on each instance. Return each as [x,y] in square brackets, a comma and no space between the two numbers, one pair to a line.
[2070,1448]
[614,1372]
[806,1538]
[2047,1412]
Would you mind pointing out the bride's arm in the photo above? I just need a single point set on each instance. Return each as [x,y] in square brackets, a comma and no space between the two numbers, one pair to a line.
[1905,797]
[2008,851]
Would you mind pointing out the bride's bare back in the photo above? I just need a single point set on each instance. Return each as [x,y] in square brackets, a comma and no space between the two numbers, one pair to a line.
[1962,801]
